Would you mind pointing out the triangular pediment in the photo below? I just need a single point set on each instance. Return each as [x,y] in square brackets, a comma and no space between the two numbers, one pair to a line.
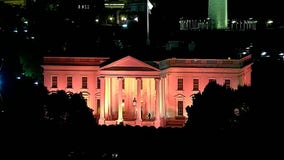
[128,63]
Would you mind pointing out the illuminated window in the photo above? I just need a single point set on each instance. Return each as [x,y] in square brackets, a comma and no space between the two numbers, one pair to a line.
[54,82]
[227,83]
[196,84]
[98,106]
[69,82]
[180,108]
[180,84]
[84,82]
[98,83]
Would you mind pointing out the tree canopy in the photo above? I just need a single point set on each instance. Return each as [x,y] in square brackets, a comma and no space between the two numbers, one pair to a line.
[219,108]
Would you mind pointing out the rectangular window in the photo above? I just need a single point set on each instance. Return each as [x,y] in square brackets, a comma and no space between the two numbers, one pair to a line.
[123,83]
[196,84]
[69,82]
[98,103]
[180,108]
[141,84]
[54,82]
[98,83]
[227,83]
[180,84]
[84,82]
[98,106]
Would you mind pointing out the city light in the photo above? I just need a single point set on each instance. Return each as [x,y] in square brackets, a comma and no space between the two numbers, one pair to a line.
[263,53]
[124,25]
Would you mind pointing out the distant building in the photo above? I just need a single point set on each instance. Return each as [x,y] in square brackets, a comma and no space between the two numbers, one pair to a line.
[119,12]
[15,2]
[218,14]
[135,92]
[232,25]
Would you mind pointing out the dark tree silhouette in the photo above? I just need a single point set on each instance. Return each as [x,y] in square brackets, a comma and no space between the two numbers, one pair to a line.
[68,110]
[23,102]
[215,108]
[69,124]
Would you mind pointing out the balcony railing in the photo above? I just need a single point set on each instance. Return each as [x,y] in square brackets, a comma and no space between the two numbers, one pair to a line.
[205,63]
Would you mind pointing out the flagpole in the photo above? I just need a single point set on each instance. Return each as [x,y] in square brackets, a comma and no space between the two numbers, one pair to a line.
[148,26]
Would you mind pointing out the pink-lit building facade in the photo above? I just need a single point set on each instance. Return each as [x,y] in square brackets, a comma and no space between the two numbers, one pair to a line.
[135,92]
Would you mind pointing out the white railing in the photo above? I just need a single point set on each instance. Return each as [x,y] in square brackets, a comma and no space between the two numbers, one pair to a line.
[205,63]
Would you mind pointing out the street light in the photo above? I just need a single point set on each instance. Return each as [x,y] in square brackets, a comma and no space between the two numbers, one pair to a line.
[269,23]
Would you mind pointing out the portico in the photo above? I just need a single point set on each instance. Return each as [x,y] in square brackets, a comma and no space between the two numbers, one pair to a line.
[129,93]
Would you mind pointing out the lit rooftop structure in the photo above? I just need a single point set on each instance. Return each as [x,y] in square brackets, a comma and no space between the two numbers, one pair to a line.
[15,2]
[119,4]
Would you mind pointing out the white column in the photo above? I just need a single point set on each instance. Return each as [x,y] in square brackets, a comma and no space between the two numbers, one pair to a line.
[102,101]
[166,102]
[163,96]
[111,98]
[162,114]
[157,104]
[138,118]
[120,103]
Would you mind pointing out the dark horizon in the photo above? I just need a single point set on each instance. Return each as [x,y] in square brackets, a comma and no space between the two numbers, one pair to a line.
[236,8]
[58,36]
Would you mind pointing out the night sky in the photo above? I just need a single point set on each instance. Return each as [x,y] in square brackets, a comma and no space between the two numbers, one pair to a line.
[163,23]
[236,8]
[198,8]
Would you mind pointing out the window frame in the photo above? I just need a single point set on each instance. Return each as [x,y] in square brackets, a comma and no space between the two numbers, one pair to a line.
[195,83]
[180,84]
[54,81]
[84,82]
